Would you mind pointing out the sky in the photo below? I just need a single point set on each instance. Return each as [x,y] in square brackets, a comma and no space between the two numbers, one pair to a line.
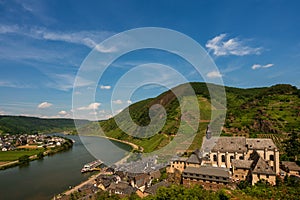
[43,45]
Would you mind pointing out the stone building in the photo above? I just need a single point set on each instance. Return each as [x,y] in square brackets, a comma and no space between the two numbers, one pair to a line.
[209,177]
[245,159]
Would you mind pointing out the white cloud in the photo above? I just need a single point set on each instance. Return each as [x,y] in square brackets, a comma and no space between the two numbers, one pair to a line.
[92,106]
[129,101]
[234,46]
[44,105]
[258,66]
[66,82]
[105,87]
[118,101]
[214,74]
[62,112]
[2,112]
[8,29]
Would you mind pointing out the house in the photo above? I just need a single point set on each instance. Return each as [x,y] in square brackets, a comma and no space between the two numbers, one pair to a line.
[177,163]
[141,181]
[121,188]
[261,170]
[209,177]
[240,169]
[153,189]
[290,167]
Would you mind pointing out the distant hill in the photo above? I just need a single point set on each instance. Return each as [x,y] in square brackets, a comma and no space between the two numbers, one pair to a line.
[271,112]
[22,124]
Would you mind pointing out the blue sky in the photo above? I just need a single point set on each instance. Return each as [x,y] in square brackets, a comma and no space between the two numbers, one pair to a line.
[43,43]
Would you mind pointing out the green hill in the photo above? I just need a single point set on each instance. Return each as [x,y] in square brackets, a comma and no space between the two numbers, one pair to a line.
[22,124]
[272,112]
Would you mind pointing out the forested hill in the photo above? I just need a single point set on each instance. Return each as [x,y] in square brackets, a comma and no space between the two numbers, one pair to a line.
[22,124]
[265,112]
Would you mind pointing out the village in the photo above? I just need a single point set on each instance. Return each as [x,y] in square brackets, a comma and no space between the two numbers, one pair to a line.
[9,142]
[230,161]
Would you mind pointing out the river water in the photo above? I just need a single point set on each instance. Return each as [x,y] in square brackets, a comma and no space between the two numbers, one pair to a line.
[42,179]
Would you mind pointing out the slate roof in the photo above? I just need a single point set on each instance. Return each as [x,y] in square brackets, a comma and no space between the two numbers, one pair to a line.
[208,170]
[260,143]
[292,166]
[230,144]
[152,190]
[194,159]
[260,166]
[122,186]
[242,164]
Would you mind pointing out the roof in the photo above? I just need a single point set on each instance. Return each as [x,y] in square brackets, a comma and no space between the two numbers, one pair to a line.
[260,166]
[244,164]
[194,159]
[142,179]
[208,170]
[179,159]
[292,166]
[260,143]
[122,186]
[152,190]
[230,144]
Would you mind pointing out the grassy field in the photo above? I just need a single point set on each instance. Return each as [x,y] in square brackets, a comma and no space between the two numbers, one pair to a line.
[14,155]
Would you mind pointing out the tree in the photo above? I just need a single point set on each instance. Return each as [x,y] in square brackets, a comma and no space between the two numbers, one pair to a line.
[292,146]
[24,159]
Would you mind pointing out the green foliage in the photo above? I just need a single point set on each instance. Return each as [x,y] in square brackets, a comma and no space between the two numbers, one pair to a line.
[33,125]
[273,111]
[24,159]
[289,189]
[292,147]
[16,154]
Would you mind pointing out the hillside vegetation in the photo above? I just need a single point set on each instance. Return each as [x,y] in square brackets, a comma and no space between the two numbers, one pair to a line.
[29,125]
[272,112]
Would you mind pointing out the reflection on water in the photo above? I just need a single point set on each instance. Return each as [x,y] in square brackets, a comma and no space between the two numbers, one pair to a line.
[41,179]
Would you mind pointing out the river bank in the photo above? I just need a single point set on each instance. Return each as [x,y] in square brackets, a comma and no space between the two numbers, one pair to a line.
[26,155]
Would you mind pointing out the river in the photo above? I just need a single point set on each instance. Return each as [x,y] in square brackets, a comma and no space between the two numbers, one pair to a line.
[42,179]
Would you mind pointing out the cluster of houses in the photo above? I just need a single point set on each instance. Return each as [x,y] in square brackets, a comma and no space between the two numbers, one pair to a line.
[10,142]
[231,160]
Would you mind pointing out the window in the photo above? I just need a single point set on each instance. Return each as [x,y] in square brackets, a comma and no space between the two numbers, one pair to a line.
[236,175]
[231,157]
[210,176]
[241,157]
[224,178]
[258,175]
[223,158]
[272,157]
[215,157]
[267,175]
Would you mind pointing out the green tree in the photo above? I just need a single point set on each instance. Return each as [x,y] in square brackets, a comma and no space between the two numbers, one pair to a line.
[292,146]
[24,159]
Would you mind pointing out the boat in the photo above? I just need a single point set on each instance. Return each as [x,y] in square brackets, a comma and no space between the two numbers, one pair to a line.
[91,166]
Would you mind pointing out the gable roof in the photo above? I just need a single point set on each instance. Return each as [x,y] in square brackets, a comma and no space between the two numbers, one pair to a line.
[230,144]
[260,166]
[194,159]
[208,170]
[260,143]
[290,165]
[242,164]
[152,190]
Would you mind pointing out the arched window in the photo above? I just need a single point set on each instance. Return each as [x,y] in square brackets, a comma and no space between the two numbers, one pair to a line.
[223,158]
[231,158]
[272,157]
[215,157]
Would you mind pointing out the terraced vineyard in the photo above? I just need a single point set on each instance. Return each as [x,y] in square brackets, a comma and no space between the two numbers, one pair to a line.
[277,139]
